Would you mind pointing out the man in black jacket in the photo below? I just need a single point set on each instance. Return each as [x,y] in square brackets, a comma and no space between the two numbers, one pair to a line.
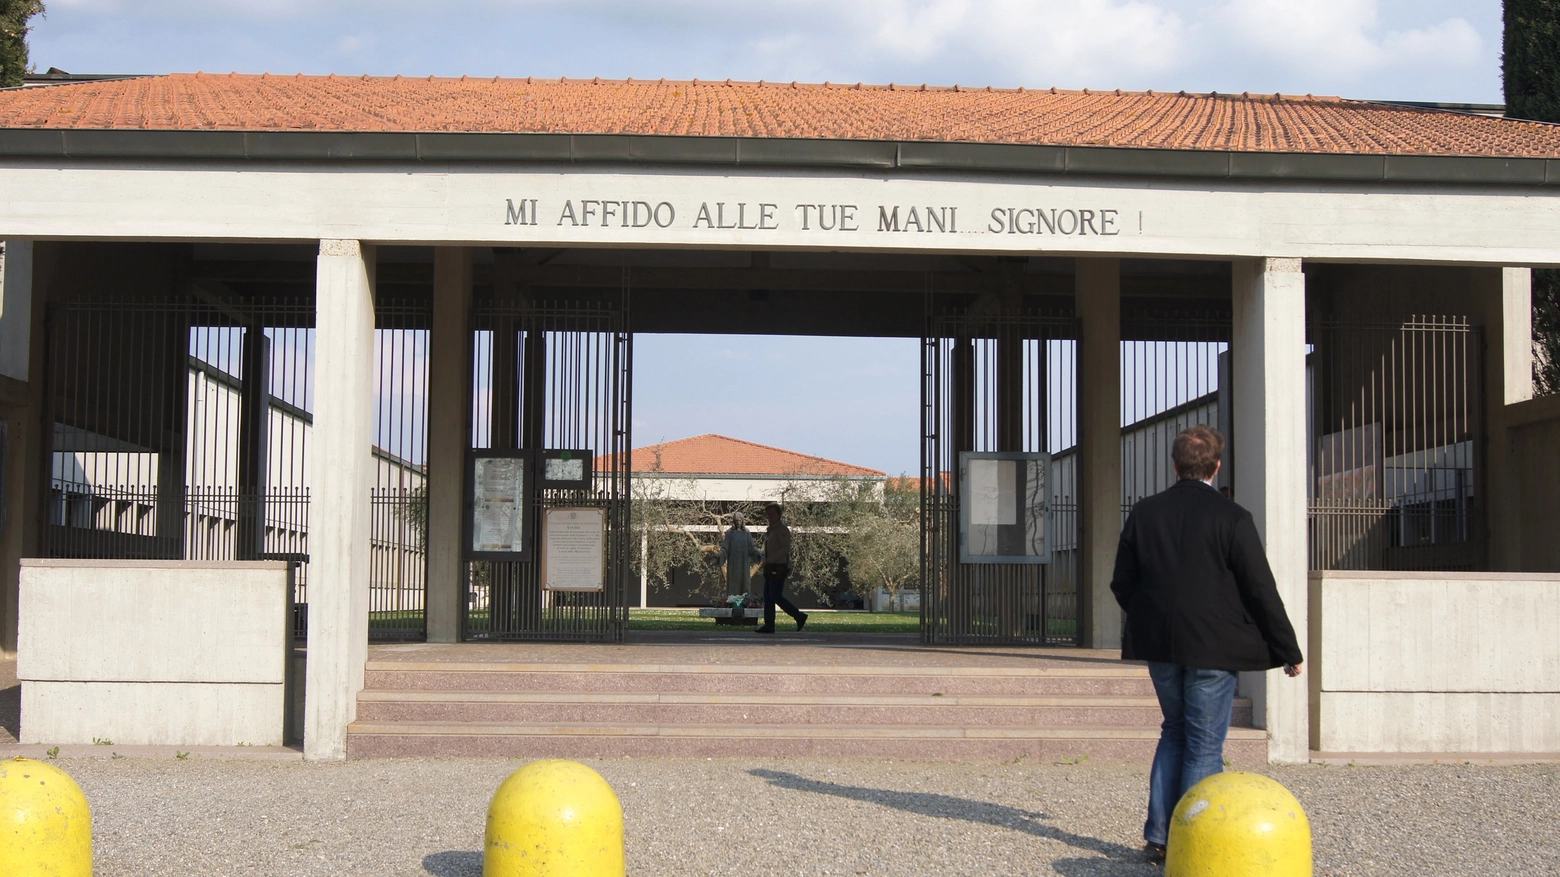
[1201,604]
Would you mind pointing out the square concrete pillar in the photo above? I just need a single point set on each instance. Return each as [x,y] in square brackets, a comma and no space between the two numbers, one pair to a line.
[16,270]
[449,437]
[17,427]
[1099,440]
[341,464]
[1270,443]
[1506,298]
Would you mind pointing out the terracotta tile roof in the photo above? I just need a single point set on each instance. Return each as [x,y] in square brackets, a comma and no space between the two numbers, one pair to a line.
[1261,123]
[719,455]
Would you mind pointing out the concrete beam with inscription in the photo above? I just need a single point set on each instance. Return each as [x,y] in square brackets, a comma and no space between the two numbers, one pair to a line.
[846,210]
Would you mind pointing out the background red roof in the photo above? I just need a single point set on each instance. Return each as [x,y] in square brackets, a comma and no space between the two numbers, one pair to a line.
[719,455]
[1260,123]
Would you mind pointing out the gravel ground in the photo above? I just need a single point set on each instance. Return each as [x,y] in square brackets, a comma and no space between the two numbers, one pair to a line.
[789,817]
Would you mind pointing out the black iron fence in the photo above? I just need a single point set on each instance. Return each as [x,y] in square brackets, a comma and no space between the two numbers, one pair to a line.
[998,382]
[555,374]
[181,430]
[1397,427]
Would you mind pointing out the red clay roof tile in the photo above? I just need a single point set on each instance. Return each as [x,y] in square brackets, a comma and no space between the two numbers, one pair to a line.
[719,455]
[1257,123]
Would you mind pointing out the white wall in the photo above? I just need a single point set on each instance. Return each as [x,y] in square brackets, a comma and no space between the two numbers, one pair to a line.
[1435,662]
[186,653]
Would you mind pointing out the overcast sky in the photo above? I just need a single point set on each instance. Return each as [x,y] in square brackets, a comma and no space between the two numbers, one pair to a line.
[850,400]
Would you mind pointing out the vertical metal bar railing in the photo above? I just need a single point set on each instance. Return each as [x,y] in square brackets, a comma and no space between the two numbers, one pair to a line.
[144,398]
[1397,435]
[990,603]
[584,386]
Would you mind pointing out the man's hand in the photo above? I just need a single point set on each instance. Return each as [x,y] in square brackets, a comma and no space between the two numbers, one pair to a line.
[1293,670]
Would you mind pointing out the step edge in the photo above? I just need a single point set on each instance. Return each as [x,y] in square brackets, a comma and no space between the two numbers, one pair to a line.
[1126,672]
[874,701]
[699,731]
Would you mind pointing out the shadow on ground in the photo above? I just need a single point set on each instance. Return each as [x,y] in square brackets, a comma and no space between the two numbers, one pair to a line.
[453,863]
[949,807]
[11,714]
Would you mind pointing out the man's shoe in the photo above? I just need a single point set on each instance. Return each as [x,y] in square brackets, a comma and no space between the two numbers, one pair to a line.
[801,622]
[1154,853]
[763,630]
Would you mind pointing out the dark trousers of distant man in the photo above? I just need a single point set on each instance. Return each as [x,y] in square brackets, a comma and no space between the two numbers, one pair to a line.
[774,594]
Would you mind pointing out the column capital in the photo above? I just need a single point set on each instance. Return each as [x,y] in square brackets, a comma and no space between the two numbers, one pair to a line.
[339,247]
[1278,265]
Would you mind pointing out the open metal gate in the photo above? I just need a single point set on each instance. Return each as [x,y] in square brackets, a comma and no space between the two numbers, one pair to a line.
[554,375]
[996,381]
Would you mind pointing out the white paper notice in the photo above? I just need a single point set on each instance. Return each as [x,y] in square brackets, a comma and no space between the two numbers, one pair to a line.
[574,544]
[555,469]
[992,499]
[499,500]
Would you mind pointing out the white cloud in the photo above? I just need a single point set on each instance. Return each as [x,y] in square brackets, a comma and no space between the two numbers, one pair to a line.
[1345,36]
[1041,41]
[1430,49]
[354,44]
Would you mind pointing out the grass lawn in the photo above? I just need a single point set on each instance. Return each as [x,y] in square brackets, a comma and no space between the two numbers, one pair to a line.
[822,620]
[826,620]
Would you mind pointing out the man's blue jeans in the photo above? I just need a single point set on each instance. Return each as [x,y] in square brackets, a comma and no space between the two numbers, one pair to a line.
[1196,705]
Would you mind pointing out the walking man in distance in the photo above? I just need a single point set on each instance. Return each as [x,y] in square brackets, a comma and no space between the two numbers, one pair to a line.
[1201,604]
[777,565]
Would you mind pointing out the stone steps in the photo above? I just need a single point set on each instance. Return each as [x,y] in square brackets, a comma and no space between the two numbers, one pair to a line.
[704,708]
[1102,710]
[928,742]
[756,678]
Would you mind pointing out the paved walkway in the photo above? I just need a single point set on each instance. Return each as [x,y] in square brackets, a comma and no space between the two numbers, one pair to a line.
[771,817]
[236,818]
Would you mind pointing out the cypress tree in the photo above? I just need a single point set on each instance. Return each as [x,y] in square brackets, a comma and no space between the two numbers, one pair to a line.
[14,18]
[1530,66]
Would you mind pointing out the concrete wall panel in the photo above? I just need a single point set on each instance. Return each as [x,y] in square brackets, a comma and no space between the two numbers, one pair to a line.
[1436,662]
[1425,722]
[154,652]
[153,621]
[153,713]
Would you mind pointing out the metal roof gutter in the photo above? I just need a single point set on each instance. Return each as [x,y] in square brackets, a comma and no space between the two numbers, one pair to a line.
[271,146]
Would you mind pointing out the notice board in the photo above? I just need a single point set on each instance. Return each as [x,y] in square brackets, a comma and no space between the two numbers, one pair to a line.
[1003,507]
[498,486]
[574,549]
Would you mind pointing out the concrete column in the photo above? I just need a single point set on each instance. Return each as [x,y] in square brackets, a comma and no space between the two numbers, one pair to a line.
[1506,296]
[17,419]
[1099,441]
[254,421]
[342,467]
[16,270]
[1010,390]
[1269,416]
[449,437]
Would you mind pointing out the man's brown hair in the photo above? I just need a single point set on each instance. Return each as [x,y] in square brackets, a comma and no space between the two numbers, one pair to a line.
[1196,452]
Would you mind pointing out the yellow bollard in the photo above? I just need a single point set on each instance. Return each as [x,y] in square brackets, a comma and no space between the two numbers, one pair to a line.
[554,818]
[1236,824]
[45,823]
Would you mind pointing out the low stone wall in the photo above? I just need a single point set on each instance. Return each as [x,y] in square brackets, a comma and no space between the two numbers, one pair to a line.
[1435,662]
[154,652]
